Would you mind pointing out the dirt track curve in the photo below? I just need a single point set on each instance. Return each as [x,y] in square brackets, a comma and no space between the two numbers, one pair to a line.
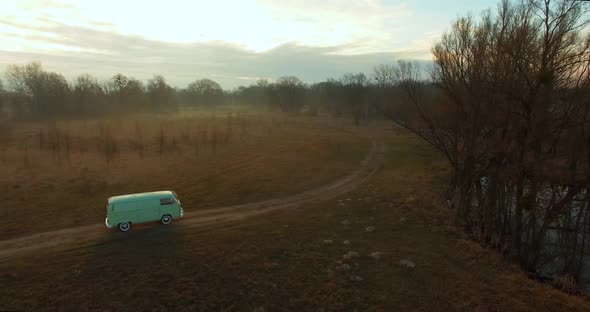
[15,247]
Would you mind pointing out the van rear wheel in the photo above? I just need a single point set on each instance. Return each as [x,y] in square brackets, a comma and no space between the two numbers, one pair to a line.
[125,226]
[166,219]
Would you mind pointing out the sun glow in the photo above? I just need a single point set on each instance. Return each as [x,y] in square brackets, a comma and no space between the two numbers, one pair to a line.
[253,25]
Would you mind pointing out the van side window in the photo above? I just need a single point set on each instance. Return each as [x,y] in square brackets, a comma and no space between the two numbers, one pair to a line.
[166,201]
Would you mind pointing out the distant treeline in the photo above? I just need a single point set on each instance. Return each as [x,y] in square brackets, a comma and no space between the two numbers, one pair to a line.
[32,92]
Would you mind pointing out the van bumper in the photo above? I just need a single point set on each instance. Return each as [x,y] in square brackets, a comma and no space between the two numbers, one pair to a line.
[106,222]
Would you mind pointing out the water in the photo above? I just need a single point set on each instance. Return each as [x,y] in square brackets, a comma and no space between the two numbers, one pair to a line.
[552,261]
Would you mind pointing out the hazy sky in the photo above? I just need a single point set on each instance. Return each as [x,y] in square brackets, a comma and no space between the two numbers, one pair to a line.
[232,42]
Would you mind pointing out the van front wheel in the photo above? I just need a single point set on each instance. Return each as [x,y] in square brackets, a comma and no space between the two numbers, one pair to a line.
[166,219]
[125,226]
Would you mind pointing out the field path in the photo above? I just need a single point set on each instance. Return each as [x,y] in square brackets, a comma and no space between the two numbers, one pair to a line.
[84,235]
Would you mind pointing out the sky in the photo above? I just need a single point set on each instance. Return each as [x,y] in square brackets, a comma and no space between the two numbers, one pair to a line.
[232,42]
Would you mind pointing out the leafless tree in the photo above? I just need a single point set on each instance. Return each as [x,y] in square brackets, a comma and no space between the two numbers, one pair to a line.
[45,92]
[511,116]
[88,95]
[291,93]
[2,95]
[204,92]
[355,88]
[161,95]
[384,75]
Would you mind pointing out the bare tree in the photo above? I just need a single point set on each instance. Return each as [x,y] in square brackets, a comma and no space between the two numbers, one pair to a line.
[88,95]
[2,95]
[205,92]
[384,75]
[161,95]
[291,93]
[510,113]
[45,92]
[355,86]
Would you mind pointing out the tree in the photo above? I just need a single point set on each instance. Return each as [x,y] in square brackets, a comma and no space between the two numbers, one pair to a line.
[88,96]
[134,95]
[55,94]
[126,94]
[34,92]
[355,86]
[45,93]
[262,83]
[26,80]
[120,82]
[511,116]
[204,92]
[328,95]
[2,95]
[258,94]
[384,75]
[291,93]
[161,95]
[115,85]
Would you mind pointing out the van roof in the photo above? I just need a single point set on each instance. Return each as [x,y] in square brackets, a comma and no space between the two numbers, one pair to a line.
[138,196]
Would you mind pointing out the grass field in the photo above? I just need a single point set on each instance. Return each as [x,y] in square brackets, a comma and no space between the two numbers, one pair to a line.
[293,259]
[59,174]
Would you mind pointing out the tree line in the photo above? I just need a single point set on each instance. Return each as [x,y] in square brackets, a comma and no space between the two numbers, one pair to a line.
[33,92]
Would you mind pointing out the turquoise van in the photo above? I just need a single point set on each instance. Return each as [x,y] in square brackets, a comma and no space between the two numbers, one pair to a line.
[124,210]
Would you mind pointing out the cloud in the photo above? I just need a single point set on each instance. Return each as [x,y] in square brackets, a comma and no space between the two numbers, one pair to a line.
[309,39]
[257,25]
[103,53]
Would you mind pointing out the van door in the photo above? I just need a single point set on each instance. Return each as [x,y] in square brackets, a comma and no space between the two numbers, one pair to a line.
[138,211]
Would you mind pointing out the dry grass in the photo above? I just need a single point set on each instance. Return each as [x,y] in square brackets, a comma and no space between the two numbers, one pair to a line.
[59,174]
[280,262]
[565,282]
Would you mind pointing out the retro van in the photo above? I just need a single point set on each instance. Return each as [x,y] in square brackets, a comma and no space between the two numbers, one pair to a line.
[125,210]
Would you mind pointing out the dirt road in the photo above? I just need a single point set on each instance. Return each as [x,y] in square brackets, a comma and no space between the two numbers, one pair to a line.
[82,235]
